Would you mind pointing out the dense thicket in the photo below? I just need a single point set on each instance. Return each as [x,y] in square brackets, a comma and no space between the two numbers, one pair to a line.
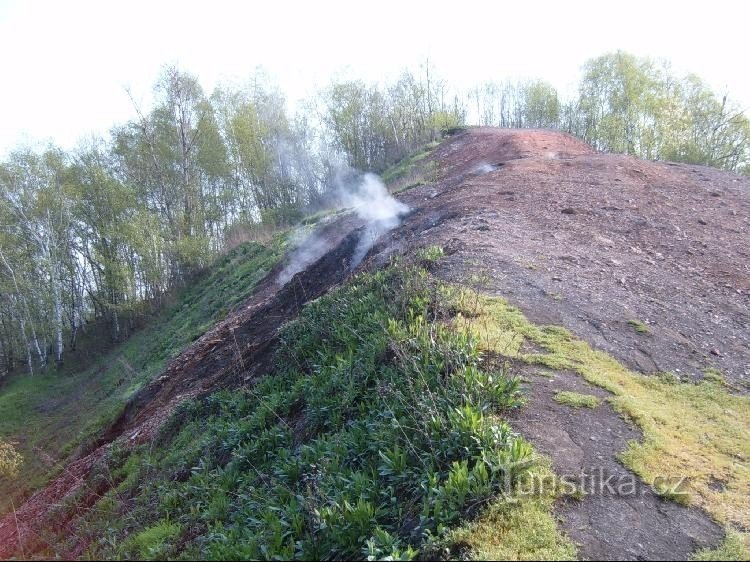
[106,230]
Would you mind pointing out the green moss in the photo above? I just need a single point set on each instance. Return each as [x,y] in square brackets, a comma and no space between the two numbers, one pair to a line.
[639,326]
[577,400]
[151,543]
[733,547]
[522,527]
[694,430]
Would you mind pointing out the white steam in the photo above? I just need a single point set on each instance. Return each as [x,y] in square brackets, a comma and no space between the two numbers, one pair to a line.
[307,249]
[484,169]
[372,202]
[368,197]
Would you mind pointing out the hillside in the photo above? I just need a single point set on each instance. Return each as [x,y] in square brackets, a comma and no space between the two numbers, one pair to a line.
[541,310]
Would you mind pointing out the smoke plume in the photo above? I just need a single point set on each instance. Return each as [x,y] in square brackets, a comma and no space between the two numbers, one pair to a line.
[368,197]
[372,202]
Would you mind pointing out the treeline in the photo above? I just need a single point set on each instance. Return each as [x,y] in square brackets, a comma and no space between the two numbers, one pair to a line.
[628,105]
[102,233]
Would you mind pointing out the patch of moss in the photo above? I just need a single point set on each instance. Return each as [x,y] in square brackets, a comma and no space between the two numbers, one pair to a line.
[576,400]
[733,547]
[639,326]
[522,527]
[695,430]
[714,375]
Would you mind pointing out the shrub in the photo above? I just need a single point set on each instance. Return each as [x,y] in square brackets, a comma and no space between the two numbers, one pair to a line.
[10,460]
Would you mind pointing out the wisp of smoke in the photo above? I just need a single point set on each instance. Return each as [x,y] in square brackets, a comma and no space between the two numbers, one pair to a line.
[484,169]
[371,201]
[307,249]
[368,197]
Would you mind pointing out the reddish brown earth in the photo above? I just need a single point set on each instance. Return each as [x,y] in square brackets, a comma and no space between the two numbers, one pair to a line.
[585,240]
[591,241]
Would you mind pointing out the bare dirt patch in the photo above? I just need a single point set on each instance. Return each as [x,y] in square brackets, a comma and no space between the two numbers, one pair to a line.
[594,241]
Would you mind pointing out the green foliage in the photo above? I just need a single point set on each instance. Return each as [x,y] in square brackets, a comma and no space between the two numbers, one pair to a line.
[152,542]
[10,461]
[376,431]
[431,254]
[49,414]
[714,375]
[576,400]
[407,165]
[731,548]
[518,527]
[636,106]
[639,326]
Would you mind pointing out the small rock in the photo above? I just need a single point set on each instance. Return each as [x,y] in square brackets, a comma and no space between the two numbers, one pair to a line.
[568,211]
[556,278]
[715,351]
[703,222]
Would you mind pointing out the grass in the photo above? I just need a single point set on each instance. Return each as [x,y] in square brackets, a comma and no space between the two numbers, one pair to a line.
[714,375]
[376,434]
[50,413]
[731,548]
[639,326]
[697,431]
[517,528]
[153,542]
[379,434]
[410,170]
[430,254]
[576,400]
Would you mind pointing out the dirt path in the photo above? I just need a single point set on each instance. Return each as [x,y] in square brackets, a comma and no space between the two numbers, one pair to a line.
[593,241]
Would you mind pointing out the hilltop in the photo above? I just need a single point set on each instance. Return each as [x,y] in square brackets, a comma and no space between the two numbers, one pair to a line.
[613,291]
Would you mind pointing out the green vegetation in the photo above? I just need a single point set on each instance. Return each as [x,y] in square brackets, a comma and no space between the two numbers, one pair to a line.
[105,231]
[10,461]
[376,433]
[714,375]
[408,165]
[52,412]
[576,400]
[672,489]
[518,528]
[430,254]
[694,430]
[151,543]
[731,548]
[639,326]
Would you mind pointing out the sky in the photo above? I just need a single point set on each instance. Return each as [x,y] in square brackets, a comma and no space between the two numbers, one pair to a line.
[66,66]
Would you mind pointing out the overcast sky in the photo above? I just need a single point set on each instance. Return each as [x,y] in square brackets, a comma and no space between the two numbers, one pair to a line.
[65,64]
